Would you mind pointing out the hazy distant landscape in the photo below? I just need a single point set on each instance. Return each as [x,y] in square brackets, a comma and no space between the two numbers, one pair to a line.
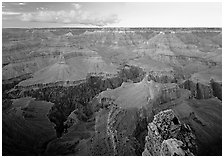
[112,91]
[111,78]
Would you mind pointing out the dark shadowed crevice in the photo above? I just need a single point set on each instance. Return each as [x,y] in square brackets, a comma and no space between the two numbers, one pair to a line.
[140,134]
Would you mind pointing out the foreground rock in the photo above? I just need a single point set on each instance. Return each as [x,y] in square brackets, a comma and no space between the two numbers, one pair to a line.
[204,117]
[167,136]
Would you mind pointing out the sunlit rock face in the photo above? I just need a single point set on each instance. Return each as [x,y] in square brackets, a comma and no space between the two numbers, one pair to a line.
[168,136]
[173,147]
[140,94]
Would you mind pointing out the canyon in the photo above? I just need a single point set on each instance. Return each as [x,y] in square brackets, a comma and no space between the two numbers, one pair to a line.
[112,91]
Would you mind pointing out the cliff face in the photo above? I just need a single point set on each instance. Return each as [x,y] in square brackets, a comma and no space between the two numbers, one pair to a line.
[122,117]
[203,90]
[167,136]
[198,90]
[217,89]
[116,131]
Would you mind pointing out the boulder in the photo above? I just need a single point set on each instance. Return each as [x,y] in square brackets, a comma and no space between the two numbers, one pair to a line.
[173,147]
[166,133]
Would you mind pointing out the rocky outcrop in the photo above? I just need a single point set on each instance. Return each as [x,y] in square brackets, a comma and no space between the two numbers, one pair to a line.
[198,90]
[133,73]
[168,136]
[162,77]
[123,114]
[204,116]
[173,147]
[148,92]
[169,92]
[203,90]
[217,89]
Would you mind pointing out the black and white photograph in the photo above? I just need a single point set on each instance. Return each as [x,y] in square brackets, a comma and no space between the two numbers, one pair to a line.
[111,78]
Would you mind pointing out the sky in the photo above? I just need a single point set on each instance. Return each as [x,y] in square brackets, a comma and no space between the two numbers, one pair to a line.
[108,14]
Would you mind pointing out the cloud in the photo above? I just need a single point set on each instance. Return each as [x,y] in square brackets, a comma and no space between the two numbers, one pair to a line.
[41,8]
[77,6]
[76,16]
[21,3]
[11,13]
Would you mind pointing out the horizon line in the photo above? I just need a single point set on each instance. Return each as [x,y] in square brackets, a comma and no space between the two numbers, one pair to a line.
[219,27]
